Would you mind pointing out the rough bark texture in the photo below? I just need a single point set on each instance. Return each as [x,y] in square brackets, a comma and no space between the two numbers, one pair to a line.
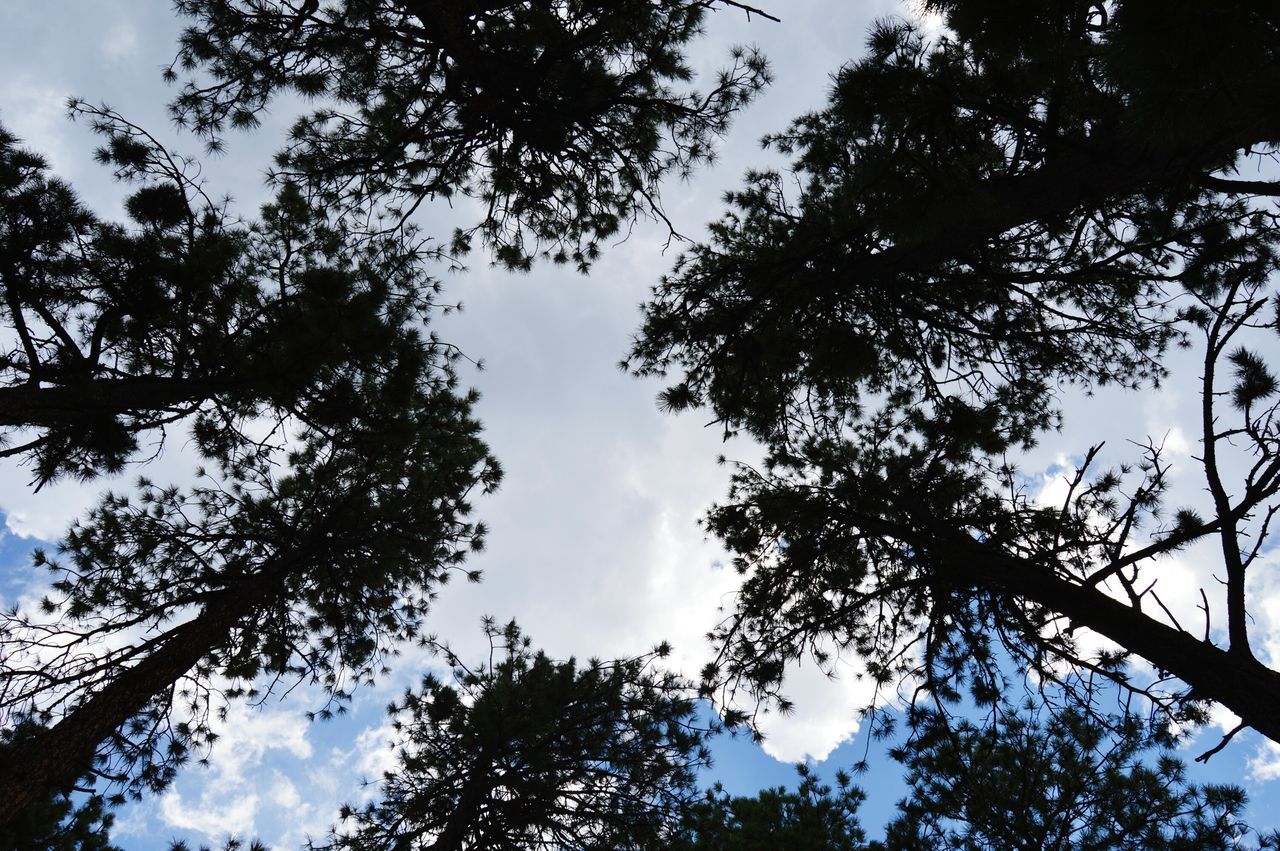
[58,757]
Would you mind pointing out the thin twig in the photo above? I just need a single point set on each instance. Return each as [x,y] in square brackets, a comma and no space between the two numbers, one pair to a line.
[1204,757]
[751,10]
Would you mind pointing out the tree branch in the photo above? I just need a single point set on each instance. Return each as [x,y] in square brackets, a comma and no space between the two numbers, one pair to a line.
[1239,187]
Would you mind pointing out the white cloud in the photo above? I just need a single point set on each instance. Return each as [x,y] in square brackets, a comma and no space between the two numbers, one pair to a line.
[228,802]
[1052,486]
[215,814]
[824,717]
[1264,765]
[374,755]
[250,733]
[120,43]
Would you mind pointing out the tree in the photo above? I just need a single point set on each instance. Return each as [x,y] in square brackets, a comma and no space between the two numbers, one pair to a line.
[561,118]
[523,752]
[1041,197]
[174,603]
[325,529]
[60,822]
[310,320]
[815,817]
[1033,780]
[184,313]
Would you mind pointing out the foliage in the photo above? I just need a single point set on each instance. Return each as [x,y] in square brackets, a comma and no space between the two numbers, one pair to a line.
[523,752]
[184,312]
[1027,778]
[982,220]
[232,843]
[313,575]
[815,817]
[1032,779]
[560,118]
[343,455]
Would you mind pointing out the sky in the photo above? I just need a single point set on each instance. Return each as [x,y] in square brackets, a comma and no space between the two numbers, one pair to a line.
[594,545]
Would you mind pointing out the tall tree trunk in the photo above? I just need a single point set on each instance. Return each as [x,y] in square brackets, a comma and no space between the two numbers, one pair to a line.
[462,821]
[57,757]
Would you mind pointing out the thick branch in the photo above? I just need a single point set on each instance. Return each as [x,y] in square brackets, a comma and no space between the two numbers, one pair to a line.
[1239,682]
[1239,187]
[27,405]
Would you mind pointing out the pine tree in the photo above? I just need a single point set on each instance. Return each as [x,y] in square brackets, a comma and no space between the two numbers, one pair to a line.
[70,819]
[343,457]
[173,603]
[1043,196]
[306,554]
[1026,777]
[1037,779]
[561,118]
[524,752]
[814,817]
[184,313]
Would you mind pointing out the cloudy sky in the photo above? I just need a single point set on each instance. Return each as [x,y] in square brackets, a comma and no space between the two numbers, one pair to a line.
[594,545]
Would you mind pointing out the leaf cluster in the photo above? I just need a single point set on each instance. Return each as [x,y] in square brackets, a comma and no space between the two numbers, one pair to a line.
[185,313]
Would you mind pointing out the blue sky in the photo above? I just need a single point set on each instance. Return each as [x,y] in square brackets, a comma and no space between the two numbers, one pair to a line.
[594,545]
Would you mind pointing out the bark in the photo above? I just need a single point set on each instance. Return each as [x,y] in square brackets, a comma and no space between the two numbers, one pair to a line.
[27,405]
[58,757]
[462,821]
[1082,177]
[1236,680]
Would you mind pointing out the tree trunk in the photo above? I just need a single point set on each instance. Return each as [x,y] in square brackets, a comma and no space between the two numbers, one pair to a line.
[1236,680]
[462,821]
[56,758]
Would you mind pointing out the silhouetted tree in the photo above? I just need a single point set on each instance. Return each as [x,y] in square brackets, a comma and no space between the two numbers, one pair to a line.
[561,118]
[524,752]
[61,821]
[1042,196]
[170,603]
[232,843]
[184,312]
[1029,779]
[1032,779]
[815,817]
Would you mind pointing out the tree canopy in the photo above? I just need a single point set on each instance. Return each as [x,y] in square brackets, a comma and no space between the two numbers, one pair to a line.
[184,312]
[524,752]
[814,817]
[1024,778]
[1036,779]
[1041,197]
[342,452]
[306,554]
[255,577]
[1044,197]
[560,118]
